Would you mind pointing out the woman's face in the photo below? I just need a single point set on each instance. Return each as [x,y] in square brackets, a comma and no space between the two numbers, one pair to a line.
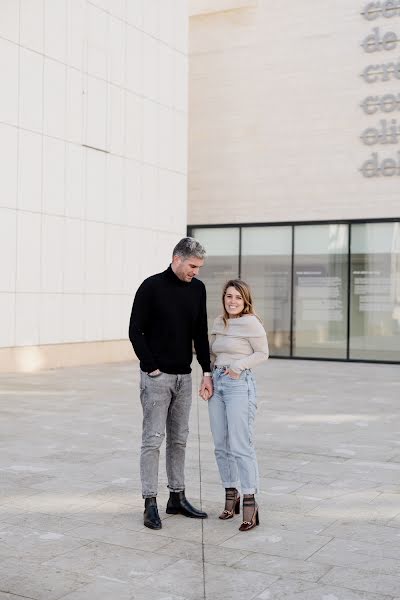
[234,303]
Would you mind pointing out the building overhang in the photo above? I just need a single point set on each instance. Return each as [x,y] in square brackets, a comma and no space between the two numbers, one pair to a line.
[203,7]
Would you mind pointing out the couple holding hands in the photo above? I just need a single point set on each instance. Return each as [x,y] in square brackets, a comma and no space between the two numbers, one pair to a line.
[168,315]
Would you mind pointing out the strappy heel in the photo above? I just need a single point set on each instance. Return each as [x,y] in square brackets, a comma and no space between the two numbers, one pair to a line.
[232,498]
[255,519]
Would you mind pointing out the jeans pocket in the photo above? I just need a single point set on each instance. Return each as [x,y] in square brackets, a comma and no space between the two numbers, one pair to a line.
[238,382]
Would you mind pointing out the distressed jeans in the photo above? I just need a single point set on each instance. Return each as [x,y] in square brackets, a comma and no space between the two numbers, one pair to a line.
[166,400]
[232,409]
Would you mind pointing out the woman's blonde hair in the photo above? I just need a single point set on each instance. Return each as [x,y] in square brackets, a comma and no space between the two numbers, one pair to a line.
[244,290]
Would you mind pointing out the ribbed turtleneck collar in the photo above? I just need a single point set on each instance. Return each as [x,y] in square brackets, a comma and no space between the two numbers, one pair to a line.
[172,277]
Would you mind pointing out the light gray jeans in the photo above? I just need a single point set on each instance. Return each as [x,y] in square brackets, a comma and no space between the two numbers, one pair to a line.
[232,409]
[166,400]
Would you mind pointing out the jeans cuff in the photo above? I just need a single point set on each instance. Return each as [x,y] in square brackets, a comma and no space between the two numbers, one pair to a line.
[149,495]
[176,489]
[231,484]
[253,490]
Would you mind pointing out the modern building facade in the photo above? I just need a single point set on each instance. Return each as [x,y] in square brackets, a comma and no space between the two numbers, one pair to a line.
[294,168]
[93,176]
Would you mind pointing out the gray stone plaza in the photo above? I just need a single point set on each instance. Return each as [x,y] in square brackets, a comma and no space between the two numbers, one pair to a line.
[71,512]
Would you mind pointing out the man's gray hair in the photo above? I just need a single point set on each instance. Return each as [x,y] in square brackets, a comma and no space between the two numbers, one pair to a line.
[188,247]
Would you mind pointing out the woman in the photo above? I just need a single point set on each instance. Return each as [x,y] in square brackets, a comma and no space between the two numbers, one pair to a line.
[238,343]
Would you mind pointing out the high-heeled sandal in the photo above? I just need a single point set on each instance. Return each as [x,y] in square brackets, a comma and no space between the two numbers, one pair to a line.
[231,495]
[255,519]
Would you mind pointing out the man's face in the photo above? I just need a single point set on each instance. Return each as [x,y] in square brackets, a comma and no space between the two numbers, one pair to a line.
[186,268]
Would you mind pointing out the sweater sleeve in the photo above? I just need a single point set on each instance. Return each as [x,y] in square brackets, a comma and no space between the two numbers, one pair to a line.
[212,355]
[140,318]
[200,337]
[260,354]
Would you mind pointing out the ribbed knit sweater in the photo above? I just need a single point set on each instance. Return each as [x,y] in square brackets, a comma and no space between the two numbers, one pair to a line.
[167,316]
[242,344]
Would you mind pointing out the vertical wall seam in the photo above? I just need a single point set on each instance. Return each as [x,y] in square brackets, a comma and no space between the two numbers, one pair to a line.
[42,171]
[84,161]
[18,184]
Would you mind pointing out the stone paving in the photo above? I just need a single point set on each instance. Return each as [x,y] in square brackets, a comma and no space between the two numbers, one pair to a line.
[328,442]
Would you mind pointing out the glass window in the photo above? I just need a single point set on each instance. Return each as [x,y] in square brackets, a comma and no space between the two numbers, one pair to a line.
[221,264]
[321,276]
[320,291]
[375,291]
[267,268]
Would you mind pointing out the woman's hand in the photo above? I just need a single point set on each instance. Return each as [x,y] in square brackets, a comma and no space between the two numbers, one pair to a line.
[232,374]
[205,394]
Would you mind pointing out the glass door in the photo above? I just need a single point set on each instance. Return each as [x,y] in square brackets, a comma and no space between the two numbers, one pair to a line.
[375,291]
[221,264]
[267,268]
[320,291]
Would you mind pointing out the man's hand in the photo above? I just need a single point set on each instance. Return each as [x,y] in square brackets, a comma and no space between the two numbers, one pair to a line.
[206,388]
[154,373]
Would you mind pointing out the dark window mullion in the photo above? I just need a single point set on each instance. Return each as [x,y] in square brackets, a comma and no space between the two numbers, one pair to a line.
[348,290]
[240,254]
[292,296]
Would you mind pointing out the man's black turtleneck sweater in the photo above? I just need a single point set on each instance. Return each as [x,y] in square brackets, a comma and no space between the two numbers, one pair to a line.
[167,315]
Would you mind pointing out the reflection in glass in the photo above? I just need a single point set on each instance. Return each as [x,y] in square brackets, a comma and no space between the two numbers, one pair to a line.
[266,267]
[320,291]
[221,264]
[375,291]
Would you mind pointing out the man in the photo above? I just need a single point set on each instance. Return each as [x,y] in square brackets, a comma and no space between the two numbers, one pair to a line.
[168,314]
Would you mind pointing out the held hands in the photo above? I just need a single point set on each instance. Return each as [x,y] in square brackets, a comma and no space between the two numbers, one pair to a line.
[206,388]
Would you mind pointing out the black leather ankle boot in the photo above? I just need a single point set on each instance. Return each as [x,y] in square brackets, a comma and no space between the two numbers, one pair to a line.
[179,505]
[151,516]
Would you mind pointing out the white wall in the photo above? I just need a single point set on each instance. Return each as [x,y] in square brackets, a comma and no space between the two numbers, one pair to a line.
[93,123]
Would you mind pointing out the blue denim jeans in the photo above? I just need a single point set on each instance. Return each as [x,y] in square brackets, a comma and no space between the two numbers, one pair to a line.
[166,400]
[232,409]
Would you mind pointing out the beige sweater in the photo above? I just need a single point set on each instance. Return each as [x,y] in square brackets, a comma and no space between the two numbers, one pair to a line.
[242,344]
